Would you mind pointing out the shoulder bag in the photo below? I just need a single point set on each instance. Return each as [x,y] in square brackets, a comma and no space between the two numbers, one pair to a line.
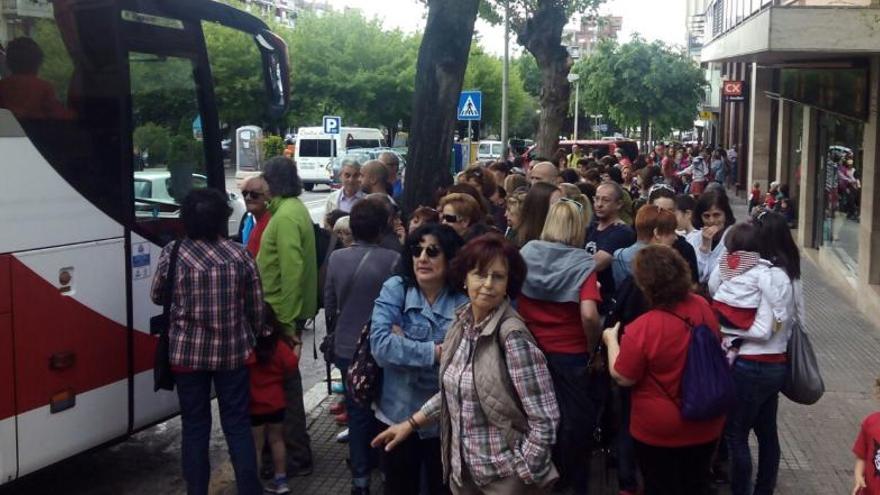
[329,342]
[163,377]
[803,381]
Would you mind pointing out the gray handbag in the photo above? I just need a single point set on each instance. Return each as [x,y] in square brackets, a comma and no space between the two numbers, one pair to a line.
[803,381]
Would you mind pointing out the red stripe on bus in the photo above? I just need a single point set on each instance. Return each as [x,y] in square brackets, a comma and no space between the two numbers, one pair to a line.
[47,323]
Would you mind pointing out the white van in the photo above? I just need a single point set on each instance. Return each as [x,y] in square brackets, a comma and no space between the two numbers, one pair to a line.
[315,150]
[489,150]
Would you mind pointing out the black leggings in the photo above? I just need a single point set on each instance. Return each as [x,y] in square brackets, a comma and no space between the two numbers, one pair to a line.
[676,470]
[404,466]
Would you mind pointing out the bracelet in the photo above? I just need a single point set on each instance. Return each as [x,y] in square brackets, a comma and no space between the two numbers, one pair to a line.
[412,422]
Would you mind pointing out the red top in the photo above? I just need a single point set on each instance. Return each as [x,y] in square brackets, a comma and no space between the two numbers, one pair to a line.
[557,325]
[867,448]
[29,97]
[652,353]
[253,244]
[755,195]
[667,167]
[267,380]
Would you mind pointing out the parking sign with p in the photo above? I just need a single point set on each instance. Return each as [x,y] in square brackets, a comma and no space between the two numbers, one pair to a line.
[332,124]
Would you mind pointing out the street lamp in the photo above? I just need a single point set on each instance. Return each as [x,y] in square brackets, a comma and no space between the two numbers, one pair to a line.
[574,78]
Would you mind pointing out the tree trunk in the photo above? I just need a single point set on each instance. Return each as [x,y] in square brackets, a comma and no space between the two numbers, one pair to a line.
[541,35]
[647,146]
[443,58]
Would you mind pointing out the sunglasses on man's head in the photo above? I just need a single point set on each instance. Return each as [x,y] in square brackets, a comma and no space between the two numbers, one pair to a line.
[252,194]
[450,218]
[432,251]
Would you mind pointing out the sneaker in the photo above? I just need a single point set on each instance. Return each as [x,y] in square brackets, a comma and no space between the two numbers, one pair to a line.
[278,485]
[337,388]
[342,437]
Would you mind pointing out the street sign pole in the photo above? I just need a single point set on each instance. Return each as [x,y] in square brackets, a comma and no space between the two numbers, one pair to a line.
[505,83]
[470,142]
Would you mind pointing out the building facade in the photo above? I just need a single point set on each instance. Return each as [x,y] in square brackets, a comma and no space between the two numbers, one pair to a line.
[590,31]
[799,97]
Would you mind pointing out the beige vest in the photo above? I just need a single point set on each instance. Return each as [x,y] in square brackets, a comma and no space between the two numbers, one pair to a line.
[498,398]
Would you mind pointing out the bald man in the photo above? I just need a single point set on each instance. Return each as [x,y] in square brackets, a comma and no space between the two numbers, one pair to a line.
[544,172]
[392,161]
[374,177]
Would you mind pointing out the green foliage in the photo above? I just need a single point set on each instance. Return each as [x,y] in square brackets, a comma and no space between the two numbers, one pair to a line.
[154,138]
[186,151]
[528,71]
[344,64]
[272,146]
[637,83]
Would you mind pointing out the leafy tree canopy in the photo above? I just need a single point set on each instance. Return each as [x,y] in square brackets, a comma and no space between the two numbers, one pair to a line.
[639,83]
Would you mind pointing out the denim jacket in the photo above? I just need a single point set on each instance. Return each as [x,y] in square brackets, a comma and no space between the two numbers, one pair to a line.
[410,372]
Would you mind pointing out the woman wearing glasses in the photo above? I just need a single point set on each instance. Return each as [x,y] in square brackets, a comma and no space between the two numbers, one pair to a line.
[559,303]
[460,211]
[496,409]
[410,320]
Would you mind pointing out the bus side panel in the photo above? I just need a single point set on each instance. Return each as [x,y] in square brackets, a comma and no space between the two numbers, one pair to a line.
[71,359]
[8,443]
[149,406]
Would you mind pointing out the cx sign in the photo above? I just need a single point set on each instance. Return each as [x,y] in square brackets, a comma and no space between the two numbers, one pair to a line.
[733,90]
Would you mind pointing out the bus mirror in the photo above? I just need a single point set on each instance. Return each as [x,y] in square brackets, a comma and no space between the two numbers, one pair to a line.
[276,71]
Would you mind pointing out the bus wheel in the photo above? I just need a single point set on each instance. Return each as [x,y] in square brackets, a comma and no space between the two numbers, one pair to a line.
[308,187]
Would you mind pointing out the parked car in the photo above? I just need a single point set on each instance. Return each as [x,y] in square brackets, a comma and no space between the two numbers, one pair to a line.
[157,187]
[489,150]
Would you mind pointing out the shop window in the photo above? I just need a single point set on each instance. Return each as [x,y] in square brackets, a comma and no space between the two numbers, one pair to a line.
[840,187]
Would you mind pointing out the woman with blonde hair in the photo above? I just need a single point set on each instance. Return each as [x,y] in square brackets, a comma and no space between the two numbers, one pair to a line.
[573,193]
[559,303]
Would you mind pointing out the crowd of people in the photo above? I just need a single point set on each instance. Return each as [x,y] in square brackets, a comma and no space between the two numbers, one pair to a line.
[521,320]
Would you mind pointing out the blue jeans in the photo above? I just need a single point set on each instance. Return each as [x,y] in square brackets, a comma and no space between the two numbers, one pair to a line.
[757,390]
[233,395]
[361,430]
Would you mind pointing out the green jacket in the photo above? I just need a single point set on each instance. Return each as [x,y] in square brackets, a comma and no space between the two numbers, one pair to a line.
[287,262]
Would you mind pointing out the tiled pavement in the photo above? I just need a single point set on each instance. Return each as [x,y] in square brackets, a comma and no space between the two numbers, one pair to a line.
[816,440]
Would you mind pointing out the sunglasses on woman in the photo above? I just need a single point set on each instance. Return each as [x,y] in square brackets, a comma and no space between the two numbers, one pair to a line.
[432,251]
[450,218]
[252,194]
[577,204]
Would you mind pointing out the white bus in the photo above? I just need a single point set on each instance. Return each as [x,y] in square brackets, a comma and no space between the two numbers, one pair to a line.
[316,150]
[79,247]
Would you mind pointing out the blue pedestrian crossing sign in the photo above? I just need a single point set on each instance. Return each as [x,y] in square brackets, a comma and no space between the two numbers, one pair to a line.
[332,124]
[470,105]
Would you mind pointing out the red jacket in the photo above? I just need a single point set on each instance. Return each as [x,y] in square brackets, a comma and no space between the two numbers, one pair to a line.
[267,380]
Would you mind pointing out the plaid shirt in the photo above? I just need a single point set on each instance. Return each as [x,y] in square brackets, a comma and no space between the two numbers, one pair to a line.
[477,442]
[218,302]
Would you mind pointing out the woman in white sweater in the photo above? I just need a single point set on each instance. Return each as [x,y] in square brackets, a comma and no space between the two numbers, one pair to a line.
[760,367]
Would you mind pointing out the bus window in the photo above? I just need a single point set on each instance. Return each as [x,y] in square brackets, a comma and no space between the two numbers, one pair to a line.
[167,147]
[239,91]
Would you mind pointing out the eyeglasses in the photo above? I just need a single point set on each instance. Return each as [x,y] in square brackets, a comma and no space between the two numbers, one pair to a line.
[580,207]
[450,218]
[432,251]
[252,194]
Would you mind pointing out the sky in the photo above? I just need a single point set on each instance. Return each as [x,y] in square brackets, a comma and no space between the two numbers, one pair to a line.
[654,20]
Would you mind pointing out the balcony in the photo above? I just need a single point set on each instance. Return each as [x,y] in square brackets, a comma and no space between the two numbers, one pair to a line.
[768,30]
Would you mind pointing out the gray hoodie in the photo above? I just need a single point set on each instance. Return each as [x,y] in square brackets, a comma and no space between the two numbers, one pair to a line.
[556,271]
